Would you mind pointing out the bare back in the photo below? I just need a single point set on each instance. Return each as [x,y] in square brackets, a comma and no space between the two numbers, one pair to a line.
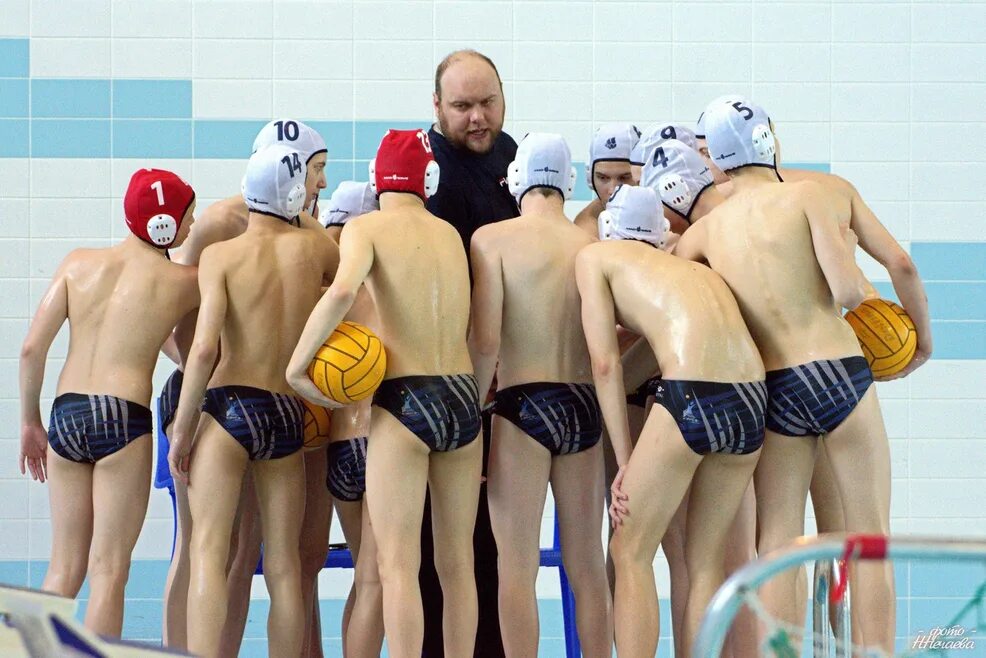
[541,334]
[761,243]
[419,283]
[123,302]
[684,310]
[273,278]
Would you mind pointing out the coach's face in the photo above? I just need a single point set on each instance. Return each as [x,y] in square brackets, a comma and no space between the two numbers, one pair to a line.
[470,109]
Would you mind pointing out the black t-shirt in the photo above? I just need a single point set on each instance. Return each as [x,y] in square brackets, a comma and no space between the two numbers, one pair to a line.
[472,188]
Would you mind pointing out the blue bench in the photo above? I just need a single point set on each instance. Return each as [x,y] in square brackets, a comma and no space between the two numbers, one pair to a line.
[341,558]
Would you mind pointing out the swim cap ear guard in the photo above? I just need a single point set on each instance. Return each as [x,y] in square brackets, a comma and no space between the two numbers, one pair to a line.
[274,183]
[542,160]
[678,174]
[634,213]
[739,135]
[405,163]
[155,205]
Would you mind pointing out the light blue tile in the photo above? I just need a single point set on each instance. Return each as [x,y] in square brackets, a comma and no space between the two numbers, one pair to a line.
[147,579]
[133,138]
[15,58]
[14,134]
[336,172]
[225,139]
[77,99]
[14,97]
[957,301]
[946,579]
[929,613]
[14,573]
[338,136]
[950,261]
[142,618]
[369,134]
[70,138]
[582,191]
[152,99]
[959,340]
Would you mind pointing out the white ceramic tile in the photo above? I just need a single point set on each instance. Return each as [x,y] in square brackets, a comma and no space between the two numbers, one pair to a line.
[948,419]
[944,379]
[154,541]
[47,254]
[874,22]
[690,99]
[16,18]
[211,99]
[152,58]
[638,102]
[946,498]
[12,334]
[948,101]
[14,539]
[70,18]
[79,218]
[70,178]
[539,60]
[396,101]
[140,18]
[15,294]
[550,21]
[948,62]
[895,216]
[14,179]
[870,102]
[946,180]
[317,19]
[16,216]
[872,142]
[800,101]
[733,62]
[629,62]
[13,258]
[876,181]
[472,21]
[949,22]
[251,59]
[217,179]
[948,458]
[318,100]
[248,19]
[294,58]
[788,62]
[800,22]
[393,60]
[10,448]
[70,58]
[854,62]
[712,22]
[393,20]
[967,142]
[804,141]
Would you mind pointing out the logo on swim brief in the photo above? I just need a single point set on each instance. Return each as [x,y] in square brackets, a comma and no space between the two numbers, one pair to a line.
[546,169]
[395,177]
[611,143]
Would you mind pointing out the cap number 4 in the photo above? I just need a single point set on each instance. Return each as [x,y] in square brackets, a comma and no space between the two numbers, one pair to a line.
[293,163]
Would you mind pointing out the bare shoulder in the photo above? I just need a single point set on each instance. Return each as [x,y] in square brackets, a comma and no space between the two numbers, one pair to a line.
[489,236]
[591,254]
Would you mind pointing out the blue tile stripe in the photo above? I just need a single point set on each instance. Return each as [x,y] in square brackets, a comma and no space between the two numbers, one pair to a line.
[15,58]
[70,99]
[152,99]
[14,95]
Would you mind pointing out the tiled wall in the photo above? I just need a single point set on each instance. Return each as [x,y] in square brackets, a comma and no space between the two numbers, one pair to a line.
[889,95]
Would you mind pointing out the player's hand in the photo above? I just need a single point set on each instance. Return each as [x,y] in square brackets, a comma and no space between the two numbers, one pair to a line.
[618,509]
[921,356]
[180,455]
[34,451]
[304,387]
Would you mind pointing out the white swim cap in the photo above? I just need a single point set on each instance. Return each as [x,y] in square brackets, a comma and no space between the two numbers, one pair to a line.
[678,174]
[542,160]
[634,213]
[274,183]
[739,135]
[612,142]
[350,199]
[294,134]
[727,99]
[658,133]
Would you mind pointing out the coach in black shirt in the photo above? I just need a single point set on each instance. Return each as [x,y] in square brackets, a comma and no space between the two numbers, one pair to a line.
[473,154]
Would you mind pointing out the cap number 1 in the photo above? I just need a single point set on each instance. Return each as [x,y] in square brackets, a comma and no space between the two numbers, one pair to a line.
[157,187]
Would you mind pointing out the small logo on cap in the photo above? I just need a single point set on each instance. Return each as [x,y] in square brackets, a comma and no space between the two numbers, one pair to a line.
[639,229]
[546,169]
[395,177]
[611,143]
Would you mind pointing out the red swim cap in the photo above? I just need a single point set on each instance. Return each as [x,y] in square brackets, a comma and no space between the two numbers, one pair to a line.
[404,163]
[155,204]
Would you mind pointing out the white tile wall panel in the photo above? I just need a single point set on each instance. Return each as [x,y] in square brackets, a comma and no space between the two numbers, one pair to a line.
[232,99]
[12,332]
[15,294]
[70,18]
[790,101]
[552,61]
[896,388]
[39,537]
[948,458]
[952,101]
[217,179]
[145,57]
[16,18]
[563,101]
[64,218]
[314,100]
[690,99]
[10,447]
[789,62]
[13,261]
[313,59]
[804,141]
[945,180]
[46,254]
[948,22]
[577,134]
[313,19]
[715,22]
[794,22]
[896,417]
[14,540]
[468,21]
[393,60]
[393,100]
[617,61]
[653,21]
[946,497]
[9,366]
[944,379]
[956,221]
[15,222]
[949,419]
[70,57]
[874,22]
[551,21]
[139,18]
[876,181]
[966,141]
[733,62]
[872,142]
[154,541]
[14,180]
[249,59]
[868,102]
[895,216]
[70,178]
[393,20]
[248,19]
[948,62]
[639,102]
[866,62]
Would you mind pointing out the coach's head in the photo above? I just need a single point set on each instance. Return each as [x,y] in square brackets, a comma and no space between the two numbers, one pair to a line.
[468,100]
